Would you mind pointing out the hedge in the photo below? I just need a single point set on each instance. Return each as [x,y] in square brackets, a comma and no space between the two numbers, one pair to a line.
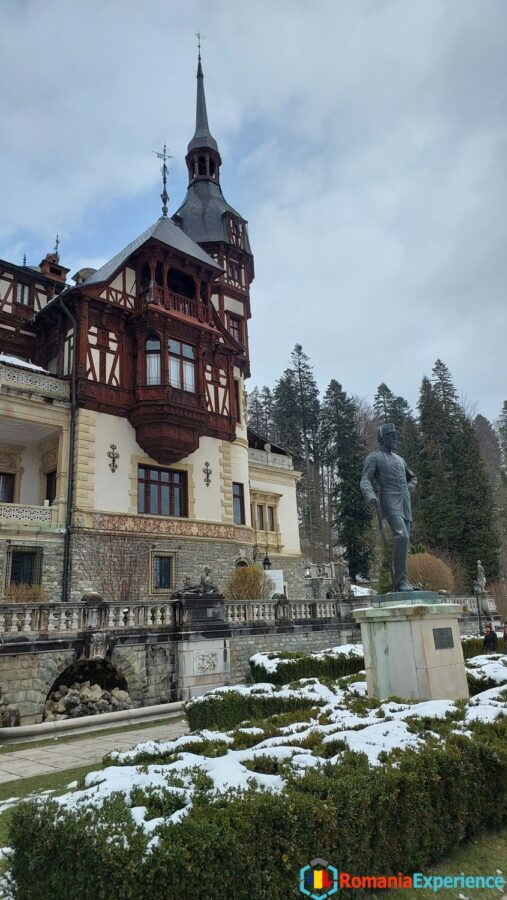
[227,709]
[308,666]
[379,820]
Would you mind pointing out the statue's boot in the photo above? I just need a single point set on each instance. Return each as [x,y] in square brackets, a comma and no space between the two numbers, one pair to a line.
[400,553]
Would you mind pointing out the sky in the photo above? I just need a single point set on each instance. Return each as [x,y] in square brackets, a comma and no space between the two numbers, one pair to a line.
[365,141]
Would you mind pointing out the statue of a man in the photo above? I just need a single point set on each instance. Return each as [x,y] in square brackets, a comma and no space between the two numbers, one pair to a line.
[481,577]
[395,483]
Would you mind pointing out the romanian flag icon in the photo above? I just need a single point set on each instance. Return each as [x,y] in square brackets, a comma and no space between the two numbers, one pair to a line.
[318,880]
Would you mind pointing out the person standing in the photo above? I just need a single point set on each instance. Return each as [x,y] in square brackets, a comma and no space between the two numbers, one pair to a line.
[490,640]
[505,637]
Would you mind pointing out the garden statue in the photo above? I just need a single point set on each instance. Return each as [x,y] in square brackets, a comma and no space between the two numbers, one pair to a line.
[395,482]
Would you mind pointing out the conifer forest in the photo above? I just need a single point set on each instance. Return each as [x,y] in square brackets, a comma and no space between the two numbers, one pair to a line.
[459,457]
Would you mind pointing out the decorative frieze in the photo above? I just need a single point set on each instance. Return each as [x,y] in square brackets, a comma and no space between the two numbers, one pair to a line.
[163,526]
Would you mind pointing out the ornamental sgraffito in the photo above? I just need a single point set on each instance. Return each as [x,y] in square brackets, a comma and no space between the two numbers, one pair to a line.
[162,526]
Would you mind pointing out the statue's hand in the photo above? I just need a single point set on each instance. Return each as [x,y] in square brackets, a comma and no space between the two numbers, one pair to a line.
[374,502]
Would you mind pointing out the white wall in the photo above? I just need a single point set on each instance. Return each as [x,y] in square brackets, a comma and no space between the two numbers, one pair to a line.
[287,508]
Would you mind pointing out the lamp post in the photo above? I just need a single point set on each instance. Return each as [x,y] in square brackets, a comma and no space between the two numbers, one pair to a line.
[478,592]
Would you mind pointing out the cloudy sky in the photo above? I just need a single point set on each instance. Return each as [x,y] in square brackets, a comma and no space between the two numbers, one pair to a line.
[364,140]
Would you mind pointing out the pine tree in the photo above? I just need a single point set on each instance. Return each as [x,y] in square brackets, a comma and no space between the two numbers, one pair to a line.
[344,454]
[255,410]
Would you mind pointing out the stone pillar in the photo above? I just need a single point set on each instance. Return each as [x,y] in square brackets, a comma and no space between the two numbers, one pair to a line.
[412,649]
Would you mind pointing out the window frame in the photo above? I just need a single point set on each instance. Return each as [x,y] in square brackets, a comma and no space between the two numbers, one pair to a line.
[25,292]
[238,502]
[12,482]
[151,355]
[37,554]
[159,483]
[182,360]
[155,555]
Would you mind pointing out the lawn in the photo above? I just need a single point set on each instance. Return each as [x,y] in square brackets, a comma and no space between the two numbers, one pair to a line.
[485,856]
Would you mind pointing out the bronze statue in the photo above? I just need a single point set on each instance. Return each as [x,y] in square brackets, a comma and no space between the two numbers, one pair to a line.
[395,482]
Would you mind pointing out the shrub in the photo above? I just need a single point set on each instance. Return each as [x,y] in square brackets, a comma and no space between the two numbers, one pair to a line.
[25,593]
[430,573]
[249,583]
[302,665]
[472,646]
[227,709]
[389,818]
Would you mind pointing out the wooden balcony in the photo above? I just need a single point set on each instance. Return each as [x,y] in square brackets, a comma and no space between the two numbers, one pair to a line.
[177,303]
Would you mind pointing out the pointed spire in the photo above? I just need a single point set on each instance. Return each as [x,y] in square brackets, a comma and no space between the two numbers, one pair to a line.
[24,258]
[57,244]
[202,137]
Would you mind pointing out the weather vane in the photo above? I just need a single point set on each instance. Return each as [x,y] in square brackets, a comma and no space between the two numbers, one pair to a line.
[24,258]
[164,195]
[57,244]
[200,37]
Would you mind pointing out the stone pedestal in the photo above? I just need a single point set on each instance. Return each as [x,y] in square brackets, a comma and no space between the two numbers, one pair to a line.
[203,664]
[412,647]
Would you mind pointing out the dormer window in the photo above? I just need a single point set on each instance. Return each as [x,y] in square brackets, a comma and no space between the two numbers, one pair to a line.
[236,232]
[153,369]
[23,293]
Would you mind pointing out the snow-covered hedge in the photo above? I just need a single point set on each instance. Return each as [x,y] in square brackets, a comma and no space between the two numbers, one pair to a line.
[233,813]
[281,668]
[486,671]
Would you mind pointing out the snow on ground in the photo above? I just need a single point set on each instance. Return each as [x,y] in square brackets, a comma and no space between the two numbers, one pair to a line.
[488,666]
[342,716]
[270,661]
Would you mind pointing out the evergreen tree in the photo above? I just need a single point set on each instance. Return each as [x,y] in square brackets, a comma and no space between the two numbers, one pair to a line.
[344,454]
[255,410]
[455,505]
[501,427]
[296,418]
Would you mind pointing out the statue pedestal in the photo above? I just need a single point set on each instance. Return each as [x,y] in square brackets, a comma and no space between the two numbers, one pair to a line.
[412,647]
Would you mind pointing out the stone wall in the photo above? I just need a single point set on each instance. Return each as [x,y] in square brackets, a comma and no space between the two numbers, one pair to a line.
[27,678]
[149,670]
[52,562]
[93,554]
[301,640]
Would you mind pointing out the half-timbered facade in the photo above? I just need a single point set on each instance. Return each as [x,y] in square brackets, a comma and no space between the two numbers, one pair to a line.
[151,354]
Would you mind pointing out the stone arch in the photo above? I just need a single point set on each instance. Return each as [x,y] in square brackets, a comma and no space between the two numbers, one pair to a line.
[29,682]
[131,664]
[96,671]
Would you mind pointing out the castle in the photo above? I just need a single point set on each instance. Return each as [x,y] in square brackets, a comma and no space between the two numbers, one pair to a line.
[126,463]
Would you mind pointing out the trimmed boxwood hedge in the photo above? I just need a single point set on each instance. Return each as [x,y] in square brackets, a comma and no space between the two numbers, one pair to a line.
[294,666]
[226,710]
[363,819]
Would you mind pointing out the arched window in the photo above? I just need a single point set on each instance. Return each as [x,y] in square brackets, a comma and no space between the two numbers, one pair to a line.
[201,165]
[153,373]
[212,168]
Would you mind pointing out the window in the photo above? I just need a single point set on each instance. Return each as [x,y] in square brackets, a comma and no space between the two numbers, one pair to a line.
[260,517]
[235,329]
[271,518]
[182,366]
[161,492]
[234,271]
[51,486]
[201,165]
[22,293]
[26,566]
[153,361]
[238,503]
[237,400]
[162,571]
[6,487]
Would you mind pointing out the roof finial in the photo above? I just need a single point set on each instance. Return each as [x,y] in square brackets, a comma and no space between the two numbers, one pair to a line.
[24,258]
[57,244]
[200,37]
[164,195]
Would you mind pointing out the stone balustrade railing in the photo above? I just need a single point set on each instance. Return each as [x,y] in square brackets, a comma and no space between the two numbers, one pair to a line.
[240,612]
[266,458]
[35,382]
[62,618]
[23,514]
[59,618]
